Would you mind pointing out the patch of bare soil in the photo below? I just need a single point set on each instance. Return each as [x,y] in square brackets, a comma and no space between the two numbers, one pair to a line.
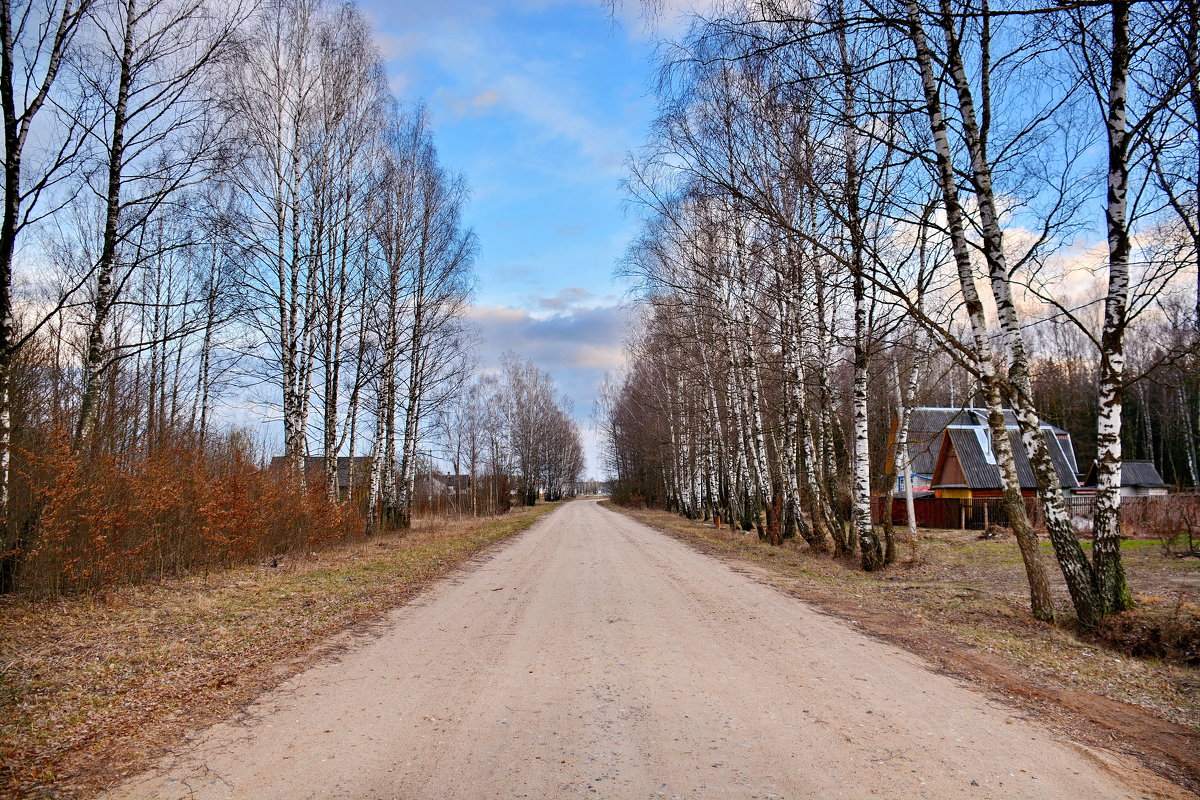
[92,689]
[961,603]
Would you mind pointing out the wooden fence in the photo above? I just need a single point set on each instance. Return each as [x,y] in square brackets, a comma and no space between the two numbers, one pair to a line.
[956,513]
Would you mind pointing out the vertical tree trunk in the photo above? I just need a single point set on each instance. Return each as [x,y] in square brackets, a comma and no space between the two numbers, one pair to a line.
[1041,604]
[406,476]
[17,123]
[375,479]
[106,265]
[8,239]
[1072,561]
[757,441]
[900,460]
[1185,414]
[860,514]
[826,457]
[864,529]
[412,411]
[1111,588]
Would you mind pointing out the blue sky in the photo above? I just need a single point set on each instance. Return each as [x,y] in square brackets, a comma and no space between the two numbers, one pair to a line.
[537,102]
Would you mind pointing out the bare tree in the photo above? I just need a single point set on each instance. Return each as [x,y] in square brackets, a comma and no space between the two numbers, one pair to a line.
[419,303]
[35,39]
[147,106]
[274,95]
[544,442]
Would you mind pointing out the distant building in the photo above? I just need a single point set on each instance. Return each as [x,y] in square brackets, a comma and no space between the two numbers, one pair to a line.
[357,468]
[1138,479]
[950,451]
[458,485]
[431,486]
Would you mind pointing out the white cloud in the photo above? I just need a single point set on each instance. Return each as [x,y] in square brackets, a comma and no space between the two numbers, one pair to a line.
[577,346]
[483,69]
[578,337]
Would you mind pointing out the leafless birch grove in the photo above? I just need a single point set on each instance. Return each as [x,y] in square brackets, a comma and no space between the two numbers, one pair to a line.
[220,207]
[855,208]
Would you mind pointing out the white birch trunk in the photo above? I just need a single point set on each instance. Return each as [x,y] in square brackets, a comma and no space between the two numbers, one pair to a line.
[375,480]
[758,449]
[863,528]
[903,462]
[1111,587]
[1040,599]
[1186,413]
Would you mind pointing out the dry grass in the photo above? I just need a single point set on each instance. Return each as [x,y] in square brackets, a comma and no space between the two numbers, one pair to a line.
[91,689]
[962,603]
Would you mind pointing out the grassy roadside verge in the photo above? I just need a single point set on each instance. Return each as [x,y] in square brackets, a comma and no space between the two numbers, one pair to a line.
[959,605]
[91,689]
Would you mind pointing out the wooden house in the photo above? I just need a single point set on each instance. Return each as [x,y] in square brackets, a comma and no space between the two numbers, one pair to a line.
[951,449]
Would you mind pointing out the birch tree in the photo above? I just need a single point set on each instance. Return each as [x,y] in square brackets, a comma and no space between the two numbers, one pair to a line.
[825,129]
[148,110]
[419,300]
[1040,599]
[352,98]
[36,38]
[274,94]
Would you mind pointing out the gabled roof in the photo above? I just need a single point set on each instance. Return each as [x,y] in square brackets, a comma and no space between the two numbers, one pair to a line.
[972,446]
[927,424]
[937,418]
[459,482]
[1133,473]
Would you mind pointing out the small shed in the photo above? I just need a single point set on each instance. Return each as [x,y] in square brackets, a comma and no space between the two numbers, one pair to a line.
[1138,479]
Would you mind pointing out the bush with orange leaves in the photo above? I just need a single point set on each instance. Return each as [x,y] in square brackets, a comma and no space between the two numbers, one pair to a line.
[91,520]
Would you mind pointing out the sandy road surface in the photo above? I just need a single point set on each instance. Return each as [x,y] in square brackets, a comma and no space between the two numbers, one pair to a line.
[594,657]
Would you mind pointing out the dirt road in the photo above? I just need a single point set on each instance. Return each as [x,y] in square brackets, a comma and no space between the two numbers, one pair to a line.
[595,657]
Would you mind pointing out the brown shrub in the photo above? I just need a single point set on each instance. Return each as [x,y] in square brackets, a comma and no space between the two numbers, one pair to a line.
[1169,631]
[1170,518]
[91,520]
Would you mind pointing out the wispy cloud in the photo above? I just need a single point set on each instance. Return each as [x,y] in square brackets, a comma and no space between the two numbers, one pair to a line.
[566,298]
[577,346]
[487,64]
[478,104]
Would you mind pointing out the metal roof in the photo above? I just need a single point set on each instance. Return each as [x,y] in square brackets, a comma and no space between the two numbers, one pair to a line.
[936,418]
[979,468]
[1140,473]
[1133,473]
[923,448]
[927,425]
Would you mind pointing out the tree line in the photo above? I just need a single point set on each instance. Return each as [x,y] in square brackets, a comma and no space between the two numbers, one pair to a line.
[212,206]
[855,208]
[510,437]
